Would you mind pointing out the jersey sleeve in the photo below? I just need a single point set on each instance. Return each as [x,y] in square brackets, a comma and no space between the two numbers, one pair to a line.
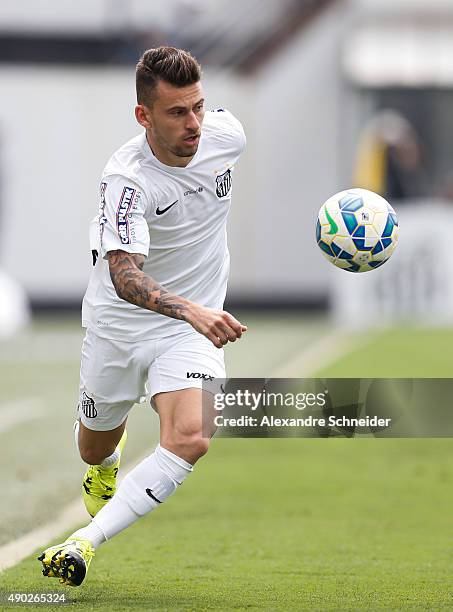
[237,131]
[232,131]
[122,222]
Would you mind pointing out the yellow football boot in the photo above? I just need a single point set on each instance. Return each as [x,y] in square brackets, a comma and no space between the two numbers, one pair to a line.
[99,483]
[68,561]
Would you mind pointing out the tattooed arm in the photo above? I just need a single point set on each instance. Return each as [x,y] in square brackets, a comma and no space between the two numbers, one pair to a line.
[134,286]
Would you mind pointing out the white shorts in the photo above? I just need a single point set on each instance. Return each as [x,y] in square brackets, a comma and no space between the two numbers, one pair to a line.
[114,375]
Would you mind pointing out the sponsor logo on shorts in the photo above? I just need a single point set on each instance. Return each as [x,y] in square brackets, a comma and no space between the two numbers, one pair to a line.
[199,375]
[122,214]
[223,184]
[88,407]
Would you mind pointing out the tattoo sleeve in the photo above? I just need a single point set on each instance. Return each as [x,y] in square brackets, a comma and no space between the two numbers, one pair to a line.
[134,286]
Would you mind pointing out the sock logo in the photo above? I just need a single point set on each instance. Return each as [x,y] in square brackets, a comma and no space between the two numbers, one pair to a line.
[88,407]
[199,375]
[150,493]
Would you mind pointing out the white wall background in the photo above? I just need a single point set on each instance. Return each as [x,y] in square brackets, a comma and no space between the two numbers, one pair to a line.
[57,129]
[59,126]
[87,15]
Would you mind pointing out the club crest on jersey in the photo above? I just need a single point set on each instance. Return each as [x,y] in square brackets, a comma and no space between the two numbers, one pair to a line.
[223,184]
[122,214]
[88,407]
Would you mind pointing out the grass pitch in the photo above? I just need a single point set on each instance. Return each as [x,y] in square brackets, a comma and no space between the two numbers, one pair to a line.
[331,524]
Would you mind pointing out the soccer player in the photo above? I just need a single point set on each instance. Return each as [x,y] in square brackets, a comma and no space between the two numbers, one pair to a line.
[153,308]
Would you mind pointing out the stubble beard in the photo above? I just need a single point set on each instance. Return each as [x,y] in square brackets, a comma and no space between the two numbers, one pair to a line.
[185,151]
[182,151]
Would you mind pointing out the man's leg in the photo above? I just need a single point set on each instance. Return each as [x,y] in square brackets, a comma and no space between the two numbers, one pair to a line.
[146,487]
[154,479]
[180,415]
[102,451]
[96,446]
[70,561]
[107,393]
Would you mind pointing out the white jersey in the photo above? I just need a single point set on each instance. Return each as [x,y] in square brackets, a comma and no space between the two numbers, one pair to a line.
[175,217]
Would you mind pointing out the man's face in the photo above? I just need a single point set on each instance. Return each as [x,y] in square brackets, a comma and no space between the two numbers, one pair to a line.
[174,119]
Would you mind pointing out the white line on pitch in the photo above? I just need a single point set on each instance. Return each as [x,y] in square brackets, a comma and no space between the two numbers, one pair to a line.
[328,349]
[71,515]
[17,550]
[20,411]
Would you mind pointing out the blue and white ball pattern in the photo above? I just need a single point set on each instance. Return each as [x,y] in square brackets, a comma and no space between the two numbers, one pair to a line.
[357,230]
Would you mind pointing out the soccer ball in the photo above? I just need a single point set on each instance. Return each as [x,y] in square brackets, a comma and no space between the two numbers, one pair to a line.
[357,230]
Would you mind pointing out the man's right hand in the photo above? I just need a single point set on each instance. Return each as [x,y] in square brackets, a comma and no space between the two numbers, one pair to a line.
[218,326]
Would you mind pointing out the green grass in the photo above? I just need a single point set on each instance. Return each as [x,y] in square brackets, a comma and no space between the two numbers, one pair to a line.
[401,352]
[288,524]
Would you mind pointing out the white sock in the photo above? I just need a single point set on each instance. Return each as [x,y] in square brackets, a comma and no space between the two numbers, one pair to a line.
[91,532]
[111,459]
[108,461]
[143,489]
[76,434]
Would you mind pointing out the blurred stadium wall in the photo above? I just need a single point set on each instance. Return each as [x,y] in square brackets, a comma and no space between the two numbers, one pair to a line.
[290,71]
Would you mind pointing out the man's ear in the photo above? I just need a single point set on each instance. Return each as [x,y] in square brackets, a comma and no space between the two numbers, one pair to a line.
[142,115]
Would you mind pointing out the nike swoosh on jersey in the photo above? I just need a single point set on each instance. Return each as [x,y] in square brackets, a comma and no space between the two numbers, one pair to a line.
[164,210]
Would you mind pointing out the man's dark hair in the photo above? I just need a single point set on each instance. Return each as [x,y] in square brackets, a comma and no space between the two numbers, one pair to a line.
[175,66]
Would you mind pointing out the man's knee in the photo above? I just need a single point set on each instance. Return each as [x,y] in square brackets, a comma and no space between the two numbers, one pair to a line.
[92,455]
[199,446]
[95,446]
[190,449]
[186,440]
